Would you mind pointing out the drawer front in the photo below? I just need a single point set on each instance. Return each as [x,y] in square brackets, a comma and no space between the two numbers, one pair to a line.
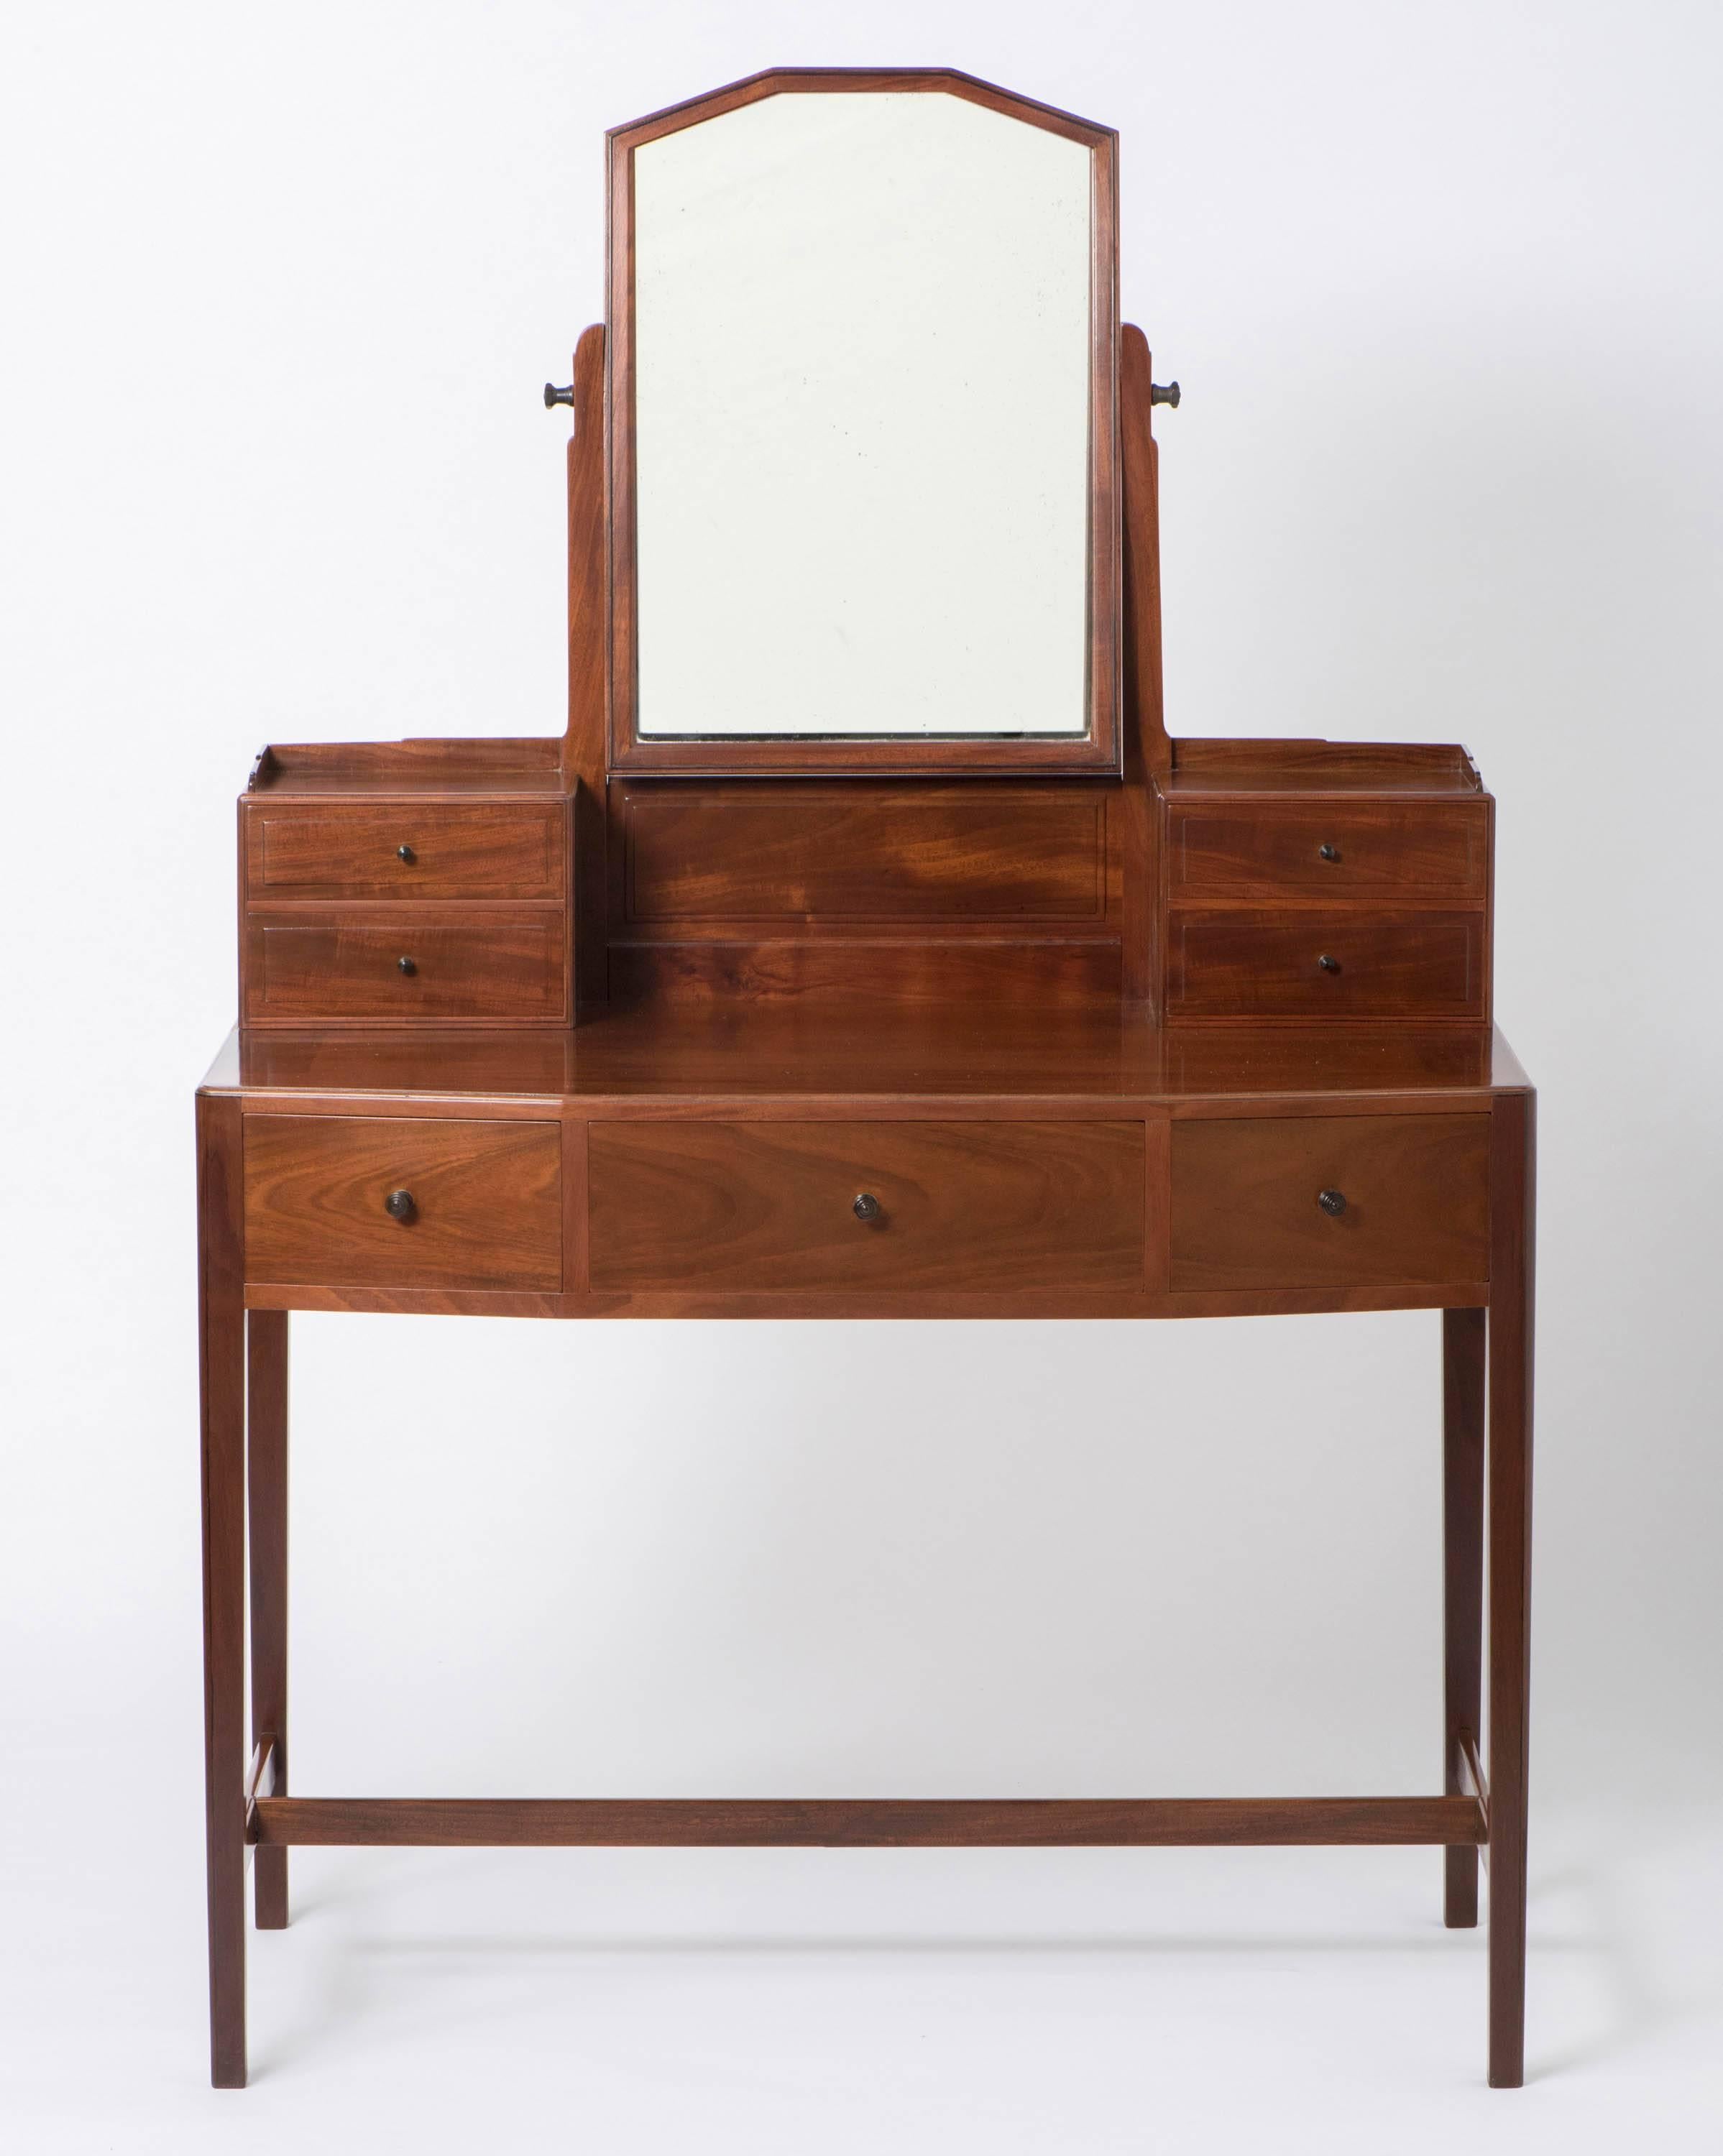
[484,1212]
[1241,961]
[487,965]
[453,851]
[1347,850]
[771,1206]
[1413,1206]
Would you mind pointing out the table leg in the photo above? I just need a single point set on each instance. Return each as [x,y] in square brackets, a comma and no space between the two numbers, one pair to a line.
[1463,1344]
[221,1344]
[266,1470]
[1513,1151]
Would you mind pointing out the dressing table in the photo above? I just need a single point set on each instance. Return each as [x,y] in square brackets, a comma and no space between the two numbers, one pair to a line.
[864,947]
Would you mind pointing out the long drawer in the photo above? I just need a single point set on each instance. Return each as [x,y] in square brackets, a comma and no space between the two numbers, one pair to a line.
[406,851]
[384,966]
[371,1201]
[867,1207]
[1315,961]
[1329,1201]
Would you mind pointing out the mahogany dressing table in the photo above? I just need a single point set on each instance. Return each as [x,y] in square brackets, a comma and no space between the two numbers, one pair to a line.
[866,948]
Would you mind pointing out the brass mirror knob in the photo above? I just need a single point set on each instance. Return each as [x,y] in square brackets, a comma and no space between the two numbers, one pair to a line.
[399,1205]
[407,965]
[405,853]
[866,1207]
[1332,1202]
[1329,965]
[1164,393]
[553,396]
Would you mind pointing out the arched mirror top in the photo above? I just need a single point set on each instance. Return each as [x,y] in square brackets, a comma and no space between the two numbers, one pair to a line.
[863,406]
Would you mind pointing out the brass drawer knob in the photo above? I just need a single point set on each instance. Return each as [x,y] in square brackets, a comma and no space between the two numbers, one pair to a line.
[866,1207]
[399,1205]
[1329,965]
[1332,1202]
[406,854]
[407,965]
[1324,853]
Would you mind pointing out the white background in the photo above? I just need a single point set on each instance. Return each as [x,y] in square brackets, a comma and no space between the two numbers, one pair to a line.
[281,287]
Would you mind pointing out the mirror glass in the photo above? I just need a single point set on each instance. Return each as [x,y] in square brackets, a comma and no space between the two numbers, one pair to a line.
[863,354]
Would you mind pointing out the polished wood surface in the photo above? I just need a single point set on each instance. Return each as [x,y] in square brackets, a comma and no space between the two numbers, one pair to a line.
[486,1202]
[973,1207]
[1260,962]
[1099,748]
[354,849]
[1464,1365]
[266,1485]
[870,1823]
[1246,1211]
[1345,848]
[344,965]
[863,852]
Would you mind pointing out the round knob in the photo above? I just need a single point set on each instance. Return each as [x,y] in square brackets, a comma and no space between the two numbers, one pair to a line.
[866,1207]
[1329,965]
[407,965]
[553,396]
[1164,393]
[399,1205]
[405,853]
[1332,1202]
[1328,853]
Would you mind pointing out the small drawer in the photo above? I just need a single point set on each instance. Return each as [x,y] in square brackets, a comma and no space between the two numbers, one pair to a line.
[406,851]
[1330,1201]
[365,1201]
[952,1207]
[1338,849]
[1314,961]
[381,968]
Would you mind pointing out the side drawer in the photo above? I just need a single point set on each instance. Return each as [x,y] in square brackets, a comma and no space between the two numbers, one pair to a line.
[384,967]
[771,1206]
[1332,849]
[1407,1201]
[1317,962]
[406,849]
[484,1206]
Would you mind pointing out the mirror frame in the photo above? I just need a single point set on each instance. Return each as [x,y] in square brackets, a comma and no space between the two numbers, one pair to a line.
[1096,749]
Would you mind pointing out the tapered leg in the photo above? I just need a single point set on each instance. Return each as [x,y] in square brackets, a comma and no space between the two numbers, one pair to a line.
[266,1466]
[1512,1184]
[1463,1340]
[222,1343]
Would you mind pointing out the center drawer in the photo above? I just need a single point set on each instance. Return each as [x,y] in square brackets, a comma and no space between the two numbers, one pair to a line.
[426,1202]
[985,1206]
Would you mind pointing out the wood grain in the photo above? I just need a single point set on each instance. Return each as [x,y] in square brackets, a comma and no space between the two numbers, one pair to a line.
[964,1206]
[344,966]
[1244,1192]
[487,1202]
[867,1823]
[1380,848]
[350,849]
[1262,962]
[864,852]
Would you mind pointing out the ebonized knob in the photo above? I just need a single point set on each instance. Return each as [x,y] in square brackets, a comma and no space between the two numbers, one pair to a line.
[553,396]
[408,965]
[1326,853]
[406,854]
[399,1205]
[1164,393]
[1328,964]
[866,1207]
[1332,1202]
